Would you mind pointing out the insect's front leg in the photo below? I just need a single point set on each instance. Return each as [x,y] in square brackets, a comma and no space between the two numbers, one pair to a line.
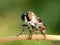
[21,31]
[24,25]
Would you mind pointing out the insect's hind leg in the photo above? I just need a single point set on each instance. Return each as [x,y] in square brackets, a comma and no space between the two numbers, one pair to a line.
[43,33]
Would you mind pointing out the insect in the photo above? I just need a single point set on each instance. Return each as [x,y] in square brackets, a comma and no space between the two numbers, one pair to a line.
[34,23]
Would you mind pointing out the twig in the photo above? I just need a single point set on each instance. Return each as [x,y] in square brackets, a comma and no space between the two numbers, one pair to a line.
[34,37]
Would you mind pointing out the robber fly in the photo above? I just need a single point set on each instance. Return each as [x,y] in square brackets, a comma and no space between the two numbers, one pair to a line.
[33,22]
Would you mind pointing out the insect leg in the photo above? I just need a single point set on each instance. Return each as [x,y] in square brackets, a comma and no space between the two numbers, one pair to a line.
[21,31]
[43,33]
[30,34]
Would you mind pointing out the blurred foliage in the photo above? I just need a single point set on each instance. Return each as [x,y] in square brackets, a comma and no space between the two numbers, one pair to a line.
[10,22]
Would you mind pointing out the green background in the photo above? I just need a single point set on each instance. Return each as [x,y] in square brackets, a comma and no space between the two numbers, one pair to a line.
[10,20]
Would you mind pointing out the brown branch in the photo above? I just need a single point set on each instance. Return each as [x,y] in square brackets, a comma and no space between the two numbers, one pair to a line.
[34,37]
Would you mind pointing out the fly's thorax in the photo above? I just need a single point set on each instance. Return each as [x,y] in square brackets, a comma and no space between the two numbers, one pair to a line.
[30,16]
